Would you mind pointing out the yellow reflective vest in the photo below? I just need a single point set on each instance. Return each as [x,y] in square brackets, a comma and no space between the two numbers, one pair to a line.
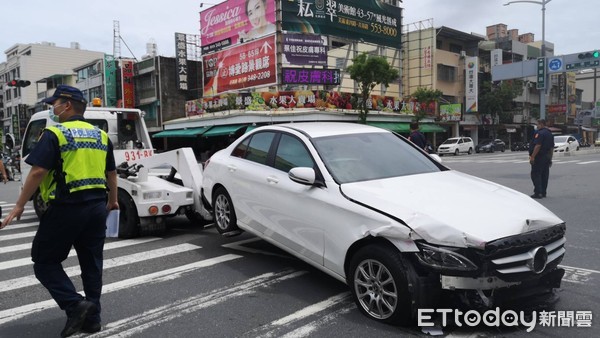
[83,151]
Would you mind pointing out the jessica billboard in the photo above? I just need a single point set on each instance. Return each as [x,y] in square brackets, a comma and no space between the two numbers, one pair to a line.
[236,21]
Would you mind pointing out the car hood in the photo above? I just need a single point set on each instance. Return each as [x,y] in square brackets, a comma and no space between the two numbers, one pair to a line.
[452,208]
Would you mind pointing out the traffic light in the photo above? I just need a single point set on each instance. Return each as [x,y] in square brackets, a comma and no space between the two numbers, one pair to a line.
[18,83]
[589,55]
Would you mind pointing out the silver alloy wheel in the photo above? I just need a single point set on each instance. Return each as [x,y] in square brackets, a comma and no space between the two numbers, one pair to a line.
[222,212]
[375,289]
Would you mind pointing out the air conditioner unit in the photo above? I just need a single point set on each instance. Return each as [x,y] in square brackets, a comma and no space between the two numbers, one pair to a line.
[463,54]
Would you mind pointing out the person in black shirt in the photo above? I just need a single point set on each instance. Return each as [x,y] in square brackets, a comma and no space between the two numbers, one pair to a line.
[417,137]
[540,159]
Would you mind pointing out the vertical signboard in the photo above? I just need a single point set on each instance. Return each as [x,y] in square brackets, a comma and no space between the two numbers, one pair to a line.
[181,60]
[236,21]
[110,81]
[541,73]
[496,57]
[471,83]
[427,57]
[372,21]
[127,84]
[244,66]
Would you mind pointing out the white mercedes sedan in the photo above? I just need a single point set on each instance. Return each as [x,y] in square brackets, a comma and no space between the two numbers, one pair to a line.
[367,207]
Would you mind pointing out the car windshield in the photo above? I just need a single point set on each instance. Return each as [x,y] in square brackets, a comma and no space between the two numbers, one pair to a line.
[560,139]
[450,141]
[484,142]
[371,156]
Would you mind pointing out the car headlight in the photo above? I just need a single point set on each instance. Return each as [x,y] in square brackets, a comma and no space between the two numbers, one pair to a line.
[444,259]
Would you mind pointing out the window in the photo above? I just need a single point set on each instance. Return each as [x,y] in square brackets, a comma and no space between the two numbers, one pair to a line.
[240,150]
[454,48]
[258,149]
[35,129]
[446,73]
[291,153]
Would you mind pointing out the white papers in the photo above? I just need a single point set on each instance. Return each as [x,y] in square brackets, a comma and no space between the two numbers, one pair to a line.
[112,223]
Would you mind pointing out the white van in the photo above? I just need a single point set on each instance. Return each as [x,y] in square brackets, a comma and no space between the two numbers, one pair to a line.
[456,145]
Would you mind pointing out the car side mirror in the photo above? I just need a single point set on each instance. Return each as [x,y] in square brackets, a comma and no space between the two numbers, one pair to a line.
[302,175]
[436,157]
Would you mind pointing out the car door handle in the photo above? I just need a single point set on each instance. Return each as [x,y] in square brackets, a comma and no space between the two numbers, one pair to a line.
[232,168]
[272,179]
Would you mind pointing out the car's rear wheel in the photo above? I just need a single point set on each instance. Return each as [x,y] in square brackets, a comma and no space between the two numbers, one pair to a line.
[456,152]
[379,279]
[492,149]
[224,214]
[502,149]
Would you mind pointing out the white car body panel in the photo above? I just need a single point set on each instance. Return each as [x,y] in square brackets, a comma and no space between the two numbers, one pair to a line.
[438,218]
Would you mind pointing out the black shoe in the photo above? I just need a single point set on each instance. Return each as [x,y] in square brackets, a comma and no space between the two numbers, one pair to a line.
[91,327]
[77,317]
[543,195]
[536,196]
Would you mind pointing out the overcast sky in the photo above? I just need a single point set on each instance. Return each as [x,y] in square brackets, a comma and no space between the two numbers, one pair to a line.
[572,25]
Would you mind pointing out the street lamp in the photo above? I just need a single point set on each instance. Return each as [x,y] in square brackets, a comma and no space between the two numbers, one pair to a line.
[543,91]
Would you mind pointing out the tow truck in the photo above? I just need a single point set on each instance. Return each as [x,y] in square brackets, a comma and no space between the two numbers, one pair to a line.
[152,186]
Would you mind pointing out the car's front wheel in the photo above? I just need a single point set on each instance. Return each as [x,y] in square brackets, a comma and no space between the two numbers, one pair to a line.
[470,151]
[456,152]
[379,279]
[224,214]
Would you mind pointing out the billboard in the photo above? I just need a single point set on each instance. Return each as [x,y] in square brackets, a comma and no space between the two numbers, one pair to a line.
[305,49]
[372,21]
[127,88]
[236,21]
[243,66]
[181,58]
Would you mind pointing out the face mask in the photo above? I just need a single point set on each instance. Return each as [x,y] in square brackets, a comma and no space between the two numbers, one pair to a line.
[535,128]
[54,117]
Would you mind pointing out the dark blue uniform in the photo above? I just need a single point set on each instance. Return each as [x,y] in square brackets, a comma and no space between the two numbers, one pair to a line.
[540,169]
[78,220]
[418,139]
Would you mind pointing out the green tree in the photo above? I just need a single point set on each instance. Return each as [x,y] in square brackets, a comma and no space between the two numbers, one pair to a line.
[370,71]
[426,96]
[497,99]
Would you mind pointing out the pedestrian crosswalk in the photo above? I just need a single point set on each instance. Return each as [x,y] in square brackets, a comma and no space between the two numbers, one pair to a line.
[133,266]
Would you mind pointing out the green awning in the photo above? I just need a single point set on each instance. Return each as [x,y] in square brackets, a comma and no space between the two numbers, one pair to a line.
[223,130]
[191,132]
[431,128]
[393,126]
[250,128]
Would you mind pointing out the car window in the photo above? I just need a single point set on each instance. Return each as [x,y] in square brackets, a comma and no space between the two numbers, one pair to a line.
[292,153]
[460,141]
[258,149]
[32,135]
[240,150]
[370,156]
[450,141]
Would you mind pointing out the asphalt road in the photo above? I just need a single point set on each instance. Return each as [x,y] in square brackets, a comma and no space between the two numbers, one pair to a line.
[192,282]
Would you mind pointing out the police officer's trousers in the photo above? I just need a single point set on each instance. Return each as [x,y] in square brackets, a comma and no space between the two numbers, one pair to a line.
[79,225]
[540,172]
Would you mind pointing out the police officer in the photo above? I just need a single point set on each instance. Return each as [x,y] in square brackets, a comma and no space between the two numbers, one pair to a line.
[72,164]
[540,159]
[417,137]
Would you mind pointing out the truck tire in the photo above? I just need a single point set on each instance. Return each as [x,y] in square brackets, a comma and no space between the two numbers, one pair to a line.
[38,204]
[196,219]
[128,216]
[224,214]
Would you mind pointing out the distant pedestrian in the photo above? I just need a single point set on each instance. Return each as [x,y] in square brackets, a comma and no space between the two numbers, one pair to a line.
[540,158]
[72,164]
[417,137]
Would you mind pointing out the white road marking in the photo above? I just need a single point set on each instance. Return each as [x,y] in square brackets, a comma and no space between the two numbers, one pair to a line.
[272,329]
[577,275]
[239,245]
[23,225]
[17,236]
[308,329]
[107,246]
[136,324]
[22,282]
[589,162]
[152,278]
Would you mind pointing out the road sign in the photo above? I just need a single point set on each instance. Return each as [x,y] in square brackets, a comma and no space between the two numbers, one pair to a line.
[555,65]
[541,73]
